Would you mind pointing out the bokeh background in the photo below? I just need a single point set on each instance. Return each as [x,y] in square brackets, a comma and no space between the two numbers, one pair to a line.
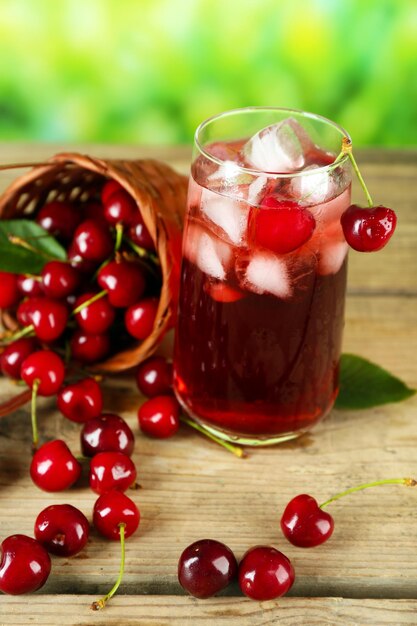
[148,71]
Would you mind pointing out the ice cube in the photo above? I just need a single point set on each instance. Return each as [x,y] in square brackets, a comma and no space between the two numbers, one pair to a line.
[312,188]
[332,251]
[263,272]
[210,253]
[227,213]
[278,148]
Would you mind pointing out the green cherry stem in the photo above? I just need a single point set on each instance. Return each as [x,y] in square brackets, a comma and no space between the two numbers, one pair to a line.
[236,450]
[97,296]
[408,482]
[35,435]
[100,604]
[119,237]
[347,149]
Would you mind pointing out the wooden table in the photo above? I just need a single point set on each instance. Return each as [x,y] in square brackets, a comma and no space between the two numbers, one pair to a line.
[191,488]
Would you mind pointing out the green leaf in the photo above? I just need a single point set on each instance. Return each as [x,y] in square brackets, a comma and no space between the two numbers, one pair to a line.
[364,384]
[37,247]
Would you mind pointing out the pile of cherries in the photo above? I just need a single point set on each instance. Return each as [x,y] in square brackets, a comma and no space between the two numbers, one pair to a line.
[105,294]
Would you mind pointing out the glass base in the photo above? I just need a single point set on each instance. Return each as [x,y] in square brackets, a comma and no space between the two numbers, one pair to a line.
[244,440]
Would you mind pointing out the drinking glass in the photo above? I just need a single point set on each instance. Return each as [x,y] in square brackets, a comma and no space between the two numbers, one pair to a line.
[261,313]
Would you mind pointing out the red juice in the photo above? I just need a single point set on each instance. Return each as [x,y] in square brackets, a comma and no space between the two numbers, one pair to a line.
[260,320]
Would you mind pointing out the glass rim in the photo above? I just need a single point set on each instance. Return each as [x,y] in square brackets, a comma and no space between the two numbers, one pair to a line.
[258,109]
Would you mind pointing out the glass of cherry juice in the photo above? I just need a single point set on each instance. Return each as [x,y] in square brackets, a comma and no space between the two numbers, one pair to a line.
[260,321]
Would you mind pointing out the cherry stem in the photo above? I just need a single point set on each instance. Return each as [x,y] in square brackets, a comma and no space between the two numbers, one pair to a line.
[23,332]
[236,450]
[119,237]
[141,252]
[347,149]
[408,482]
[35,435]
[83,305]
[100,604]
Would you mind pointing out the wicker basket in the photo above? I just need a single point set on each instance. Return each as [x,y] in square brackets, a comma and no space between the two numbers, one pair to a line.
[160,194]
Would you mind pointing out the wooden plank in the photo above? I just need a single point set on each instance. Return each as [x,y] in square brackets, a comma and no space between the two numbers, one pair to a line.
[186,611]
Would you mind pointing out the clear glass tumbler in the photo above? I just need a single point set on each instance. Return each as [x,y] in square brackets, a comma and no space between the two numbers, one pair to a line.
[263,282]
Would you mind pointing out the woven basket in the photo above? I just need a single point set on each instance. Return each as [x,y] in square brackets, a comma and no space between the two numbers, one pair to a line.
[160,194]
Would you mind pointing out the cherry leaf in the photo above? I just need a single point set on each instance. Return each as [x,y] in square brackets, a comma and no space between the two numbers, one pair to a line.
[364,384]
[25,247]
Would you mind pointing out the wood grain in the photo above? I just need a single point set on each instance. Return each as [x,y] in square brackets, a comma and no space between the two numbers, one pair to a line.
[174,611]
[193,489]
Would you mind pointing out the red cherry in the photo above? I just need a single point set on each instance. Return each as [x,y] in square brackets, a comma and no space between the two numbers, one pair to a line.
[107,433]
[223,293]
[305,524]
[24,311]
[89,348]
[140,235]
[112,509]
[140,317]
[53,466]
[123,281]
[59,219]
[46,367]
[111,471]
[29,285]
[93,211]
[14,354]
[25,565]
[93,241]
[62,529]
[97,317]
[120,208]
[368,229]
[81,401]
[79,263]
[49,318]
[206,567]
[280,225]
[109,188]
[159,417]
[154,376]
[9,290]
[265,573]
[59,279]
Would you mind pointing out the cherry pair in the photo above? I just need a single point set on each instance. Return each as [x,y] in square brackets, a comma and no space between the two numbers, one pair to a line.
[208,566]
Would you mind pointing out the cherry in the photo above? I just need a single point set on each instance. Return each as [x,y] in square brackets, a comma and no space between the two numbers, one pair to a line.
[81,401]
[25,565]
[59,279]
[44,370]
[29,285]
[112,509]
[140,235]
[94,318]
[206,567]
[53,466]
[110,187]
[116,517]
[140,317]
[265,573]
[62,529]
[124,282]
[368,229]
[94,211]
[223,293]
[159,417]
[120,208]
[304,523]
[14,354]
[280,225]
[111,470]
[107,433]
[93,241]
[59,219]
[9,290]
[24,310]
[154,376]
[48,317]
[89,348]
[79,263]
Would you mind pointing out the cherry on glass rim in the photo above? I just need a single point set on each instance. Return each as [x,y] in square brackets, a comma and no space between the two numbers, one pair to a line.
[368,229]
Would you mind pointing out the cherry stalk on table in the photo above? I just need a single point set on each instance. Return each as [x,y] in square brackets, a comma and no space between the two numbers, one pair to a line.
[306,525]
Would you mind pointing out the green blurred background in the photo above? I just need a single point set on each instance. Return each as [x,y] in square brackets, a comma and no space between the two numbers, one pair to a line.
[148,71]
